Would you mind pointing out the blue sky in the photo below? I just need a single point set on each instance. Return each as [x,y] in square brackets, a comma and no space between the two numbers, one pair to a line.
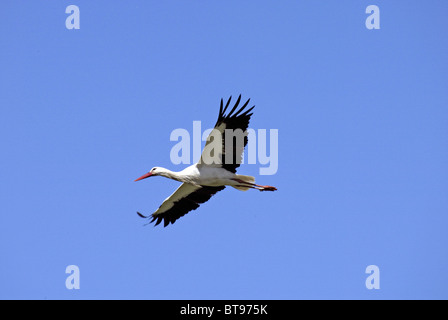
[362,177]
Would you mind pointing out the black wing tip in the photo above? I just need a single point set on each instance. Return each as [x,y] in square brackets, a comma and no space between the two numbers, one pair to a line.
[141,215]
[154,218]
[159,219]
[227,105]
[190,203]
[222,111]
[235,106]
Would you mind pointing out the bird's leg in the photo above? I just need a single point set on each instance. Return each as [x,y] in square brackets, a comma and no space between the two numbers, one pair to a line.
[266,188]
[246,185]
[255,186]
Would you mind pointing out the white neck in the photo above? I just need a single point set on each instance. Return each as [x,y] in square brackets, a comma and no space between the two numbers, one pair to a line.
[169,174]
[187,175]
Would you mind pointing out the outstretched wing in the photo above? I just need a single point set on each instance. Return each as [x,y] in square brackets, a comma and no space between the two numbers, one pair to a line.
[186,198]
[231,147]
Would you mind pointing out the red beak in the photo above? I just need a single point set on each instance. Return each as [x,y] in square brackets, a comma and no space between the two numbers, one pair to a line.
[144,176]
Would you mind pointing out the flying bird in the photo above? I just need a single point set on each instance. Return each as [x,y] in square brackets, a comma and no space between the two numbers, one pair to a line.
[215,170]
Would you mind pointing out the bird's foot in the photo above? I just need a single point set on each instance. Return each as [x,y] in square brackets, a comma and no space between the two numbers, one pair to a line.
[268,188]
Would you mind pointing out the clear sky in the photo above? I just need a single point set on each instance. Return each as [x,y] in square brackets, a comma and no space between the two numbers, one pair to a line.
[362,117]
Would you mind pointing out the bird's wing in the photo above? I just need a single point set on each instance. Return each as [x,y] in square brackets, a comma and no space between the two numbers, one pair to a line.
[233,148]
[186,198]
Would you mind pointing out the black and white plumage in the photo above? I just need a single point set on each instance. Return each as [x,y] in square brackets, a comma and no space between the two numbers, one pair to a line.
[233,121]
[213,172]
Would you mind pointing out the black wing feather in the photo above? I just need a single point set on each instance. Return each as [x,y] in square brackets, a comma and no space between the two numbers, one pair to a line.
[184,205]
[227,105]
[235,121]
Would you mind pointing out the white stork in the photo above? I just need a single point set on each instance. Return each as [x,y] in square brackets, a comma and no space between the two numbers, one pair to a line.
[201,181]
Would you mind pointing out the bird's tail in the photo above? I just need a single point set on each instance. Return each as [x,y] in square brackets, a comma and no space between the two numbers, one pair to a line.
[248,179]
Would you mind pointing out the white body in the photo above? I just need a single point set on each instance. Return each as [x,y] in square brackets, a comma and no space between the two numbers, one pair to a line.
[202,175]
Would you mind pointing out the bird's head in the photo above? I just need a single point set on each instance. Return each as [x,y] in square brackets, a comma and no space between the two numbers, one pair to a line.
[154,172]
